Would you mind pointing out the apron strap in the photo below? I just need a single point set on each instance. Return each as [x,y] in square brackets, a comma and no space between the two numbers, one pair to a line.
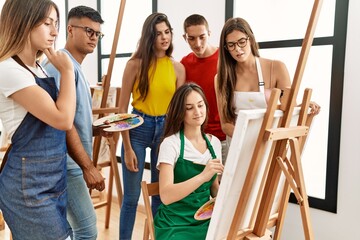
[260,75]
[18,60]
[5,158]
[210,147]
[182,143]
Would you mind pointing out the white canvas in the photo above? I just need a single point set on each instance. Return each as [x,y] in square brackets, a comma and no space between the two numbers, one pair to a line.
[247,127]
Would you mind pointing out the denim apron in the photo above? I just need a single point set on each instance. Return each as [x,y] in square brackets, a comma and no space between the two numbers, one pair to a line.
[33,181]
[176,221]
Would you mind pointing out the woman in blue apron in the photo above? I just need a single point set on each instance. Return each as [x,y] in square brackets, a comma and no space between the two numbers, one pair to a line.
[35,115]
[188,166]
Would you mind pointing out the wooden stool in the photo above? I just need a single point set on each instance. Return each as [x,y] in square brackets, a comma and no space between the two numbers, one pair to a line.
[148,190]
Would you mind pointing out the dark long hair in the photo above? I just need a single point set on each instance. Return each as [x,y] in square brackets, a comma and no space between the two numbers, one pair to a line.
[226,76]
[176,111]
[146,49]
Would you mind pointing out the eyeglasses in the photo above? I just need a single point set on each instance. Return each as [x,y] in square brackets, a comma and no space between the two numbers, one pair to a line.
[90,32]
[230,46]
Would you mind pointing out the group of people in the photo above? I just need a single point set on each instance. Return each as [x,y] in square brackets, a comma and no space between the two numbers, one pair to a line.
[187,127]
[189,109]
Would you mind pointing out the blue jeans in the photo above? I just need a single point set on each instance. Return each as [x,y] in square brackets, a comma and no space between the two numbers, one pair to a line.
[80,211]
[148,135]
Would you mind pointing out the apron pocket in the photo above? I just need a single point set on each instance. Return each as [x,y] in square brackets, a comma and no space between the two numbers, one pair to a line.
[43,178]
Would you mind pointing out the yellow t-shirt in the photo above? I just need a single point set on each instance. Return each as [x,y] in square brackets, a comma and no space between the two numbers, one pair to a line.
[161,89]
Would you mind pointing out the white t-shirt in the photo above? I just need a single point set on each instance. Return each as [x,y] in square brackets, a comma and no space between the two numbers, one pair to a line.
[169,150]
[13,78]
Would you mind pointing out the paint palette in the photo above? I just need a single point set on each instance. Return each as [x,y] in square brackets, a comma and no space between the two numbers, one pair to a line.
[119,122]
[205,211]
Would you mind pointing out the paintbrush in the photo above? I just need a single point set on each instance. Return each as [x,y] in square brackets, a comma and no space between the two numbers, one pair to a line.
[107,122]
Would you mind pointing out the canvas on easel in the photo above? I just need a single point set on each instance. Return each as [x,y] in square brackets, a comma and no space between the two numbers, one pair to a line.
[238,164]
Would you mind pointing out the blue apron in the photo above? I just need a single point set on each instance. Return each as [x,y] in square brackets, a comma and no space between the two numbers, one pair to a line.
[33,182]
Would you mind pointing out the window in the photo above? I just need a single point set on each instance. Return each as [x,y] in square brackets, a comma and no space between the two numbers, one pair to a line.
[133,19]
[279,27]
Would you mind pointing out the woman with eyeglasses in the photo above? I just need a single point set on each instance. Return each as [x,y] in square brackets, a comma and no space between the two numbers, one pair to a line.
[35,114]
[151,77]
[244,79]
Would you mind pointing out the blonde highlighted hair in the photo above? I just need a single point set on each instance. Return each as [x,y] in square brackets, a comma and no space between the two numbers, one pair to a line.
[18,18]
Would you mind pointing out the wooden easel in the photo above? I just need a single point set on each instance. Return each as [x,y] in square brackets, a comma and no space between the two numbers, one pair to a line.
[112,141]
[279,163]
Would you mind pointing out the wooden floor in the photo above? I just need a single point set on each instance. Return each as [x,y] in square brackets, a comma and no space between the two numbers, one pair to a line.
[112,233]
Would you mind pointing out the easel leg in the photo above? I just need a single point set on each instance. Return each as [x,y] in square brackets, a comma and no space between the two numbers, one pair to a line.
[271,184]
[294,180]
[113,175]
[115,170]
[299,177]
[109,199]
[282,210]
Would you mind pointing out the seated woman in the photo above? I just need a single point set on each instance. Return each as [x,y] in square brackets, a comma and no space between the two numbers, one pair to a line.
[188,165]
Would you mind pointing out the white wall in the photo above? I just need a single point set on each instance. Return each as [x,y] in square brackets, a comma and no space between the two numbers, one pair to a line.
[343,225]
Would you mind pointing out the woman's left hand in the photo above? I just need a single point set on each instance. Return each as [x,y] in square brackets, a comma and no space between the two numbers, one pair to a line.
[314,108]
